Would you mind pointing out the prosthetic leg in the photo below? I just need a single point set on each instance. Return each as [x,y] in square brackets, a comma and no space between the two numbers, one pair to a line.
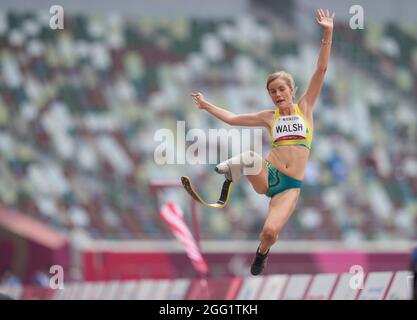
[246,163]
[224,195]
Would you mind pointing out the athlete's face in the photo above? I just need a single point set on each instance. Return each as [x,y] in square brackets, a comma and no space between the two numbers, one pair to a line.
[280,93]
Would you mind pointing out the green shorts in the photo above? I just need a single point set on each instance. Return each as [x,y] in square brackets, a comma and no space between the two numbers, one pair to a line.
[278,182]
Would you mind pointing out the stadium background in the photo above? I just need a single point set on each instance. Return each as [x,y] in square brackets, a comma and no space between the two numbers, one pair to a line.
[79,108]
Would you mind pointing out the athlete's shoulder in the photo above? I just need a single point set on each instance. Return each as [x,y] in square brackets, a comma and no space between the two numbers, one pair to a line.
[306,112]
[266,112]
[303,106]
[267,116]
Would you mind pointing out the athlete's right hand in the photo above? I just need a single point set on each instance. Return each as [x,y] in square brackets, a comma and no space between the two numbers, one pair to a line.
[199,100]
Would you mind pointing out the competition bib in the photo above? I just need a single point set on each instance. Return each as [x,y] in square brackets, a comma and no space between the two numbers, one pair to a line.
[289,128]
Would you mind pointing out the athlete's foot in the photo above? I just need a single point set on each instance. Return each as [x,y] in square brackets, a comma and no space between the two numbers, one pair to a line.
[223,168]
[258,263]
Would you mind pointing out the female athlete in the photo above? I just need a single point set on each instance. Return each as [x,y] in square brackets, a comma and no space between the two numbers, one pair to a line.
[290,127]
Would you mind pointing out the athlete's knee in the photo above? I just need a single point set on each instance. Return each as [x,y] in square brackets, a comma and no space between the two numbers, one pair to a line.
[246,163]
[252,163]
[269,234]
[250,157]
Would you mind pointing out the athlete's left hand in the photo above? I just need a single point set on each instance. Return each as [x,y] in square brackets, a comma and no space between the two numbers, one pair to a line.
[324,19]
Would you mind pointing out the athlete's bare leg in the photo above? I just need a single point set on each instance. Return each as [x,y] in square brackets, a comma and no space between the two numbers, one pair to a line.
[259,181]
[281,208]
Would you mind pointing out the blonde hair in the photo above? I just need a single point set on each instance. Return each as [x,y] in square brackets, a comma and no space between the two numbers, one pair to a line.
[289,80]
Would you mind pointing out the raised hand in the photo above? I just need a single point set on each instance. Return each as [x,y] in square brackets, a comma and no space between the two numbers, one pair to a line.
[199,100]
[324,19]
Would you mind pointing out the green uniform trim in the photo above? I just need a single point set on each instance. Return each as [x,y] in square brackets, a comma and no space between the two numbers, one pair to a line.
[279,182]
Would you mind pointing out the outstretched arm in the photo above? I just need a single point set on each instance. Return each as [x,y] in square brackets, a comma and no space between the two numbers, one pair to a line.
[325,20]
[258,119]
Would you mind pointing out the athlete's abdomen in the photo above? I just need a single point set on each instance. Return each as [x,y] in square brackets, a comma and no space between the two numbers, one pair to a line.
[290,160]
